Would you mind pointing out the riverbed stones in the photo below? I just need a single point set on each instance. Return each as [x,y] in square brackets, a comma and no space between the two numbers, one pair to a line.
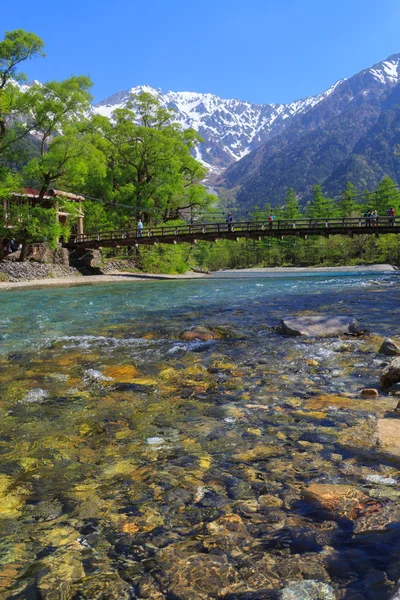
[389,348]
[201,334]
[319,326]
[388,431]
[307,590]
[391,374]
[341,500]
[369,393]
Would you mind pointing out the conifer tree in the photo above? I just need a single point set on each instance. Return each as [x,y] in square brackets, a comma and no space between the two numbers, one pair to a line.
[387,196]
[291,209]
[347,203]
[317,209]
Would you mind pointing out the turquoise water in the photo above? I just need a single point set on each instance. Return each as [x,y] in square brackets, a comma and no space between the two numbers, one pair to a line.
[33,318]
[136,464]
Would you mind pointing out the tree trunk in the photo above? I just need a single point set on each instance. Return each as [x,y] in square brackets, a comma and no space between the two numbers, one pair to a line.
[24,251]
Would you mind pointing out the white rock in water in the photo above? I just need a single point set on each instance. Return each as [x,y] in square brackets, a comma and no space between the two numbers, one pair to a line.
[307,590]
[230,420]
[319,326]
[381,480]
[36,395]
[93,375]
[155,441]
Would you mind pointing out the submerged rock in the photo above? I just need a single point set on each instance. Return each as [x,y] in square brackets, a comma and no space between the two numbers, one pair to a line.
[389,436]
[197,576]
[307,590]
[391,374]
[369,393]
[341,500]
[389,348]
[35,395]
[200,333]
[319,326]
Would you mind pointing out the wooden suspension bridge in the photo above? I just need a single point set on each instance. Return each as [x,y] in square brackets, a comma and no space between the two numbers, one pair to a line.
[255,230]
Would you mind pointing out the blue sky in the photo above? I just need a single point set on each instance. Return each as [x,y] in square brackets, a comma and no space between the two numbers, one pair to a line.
[257,50]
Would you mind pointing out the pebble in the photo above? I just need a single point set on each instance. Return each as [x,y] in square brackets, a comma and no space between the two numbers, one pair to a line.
[155,441]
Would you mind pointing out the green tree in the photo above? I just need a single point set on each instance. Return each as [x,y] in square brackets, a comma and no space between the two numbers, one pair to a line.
[387,196]
[291,209]
[16,47]
[320,207]
[66,151]
[347,202]
[149,161]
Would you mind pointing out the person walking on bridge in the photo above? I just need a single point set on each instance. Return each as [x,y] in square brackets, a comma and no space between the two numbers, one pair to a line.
[230,222]
[139,228]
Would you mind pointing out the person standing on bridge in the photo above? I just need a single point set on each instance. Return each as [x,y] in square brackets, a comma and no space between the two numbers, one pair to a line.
[139,228]
[230,222]
[270,220]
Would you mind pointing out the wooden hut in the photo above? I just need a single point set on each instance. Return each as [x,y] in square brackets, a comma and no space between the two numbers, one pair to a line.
[52,199]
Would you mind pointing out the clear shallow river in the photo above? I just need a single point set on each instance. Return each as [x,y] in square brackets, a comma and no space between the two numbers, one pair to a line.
[137,465]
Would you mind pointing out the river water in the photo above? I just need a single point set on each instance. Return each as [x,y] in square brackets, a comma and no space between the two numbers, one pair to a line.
[135,464]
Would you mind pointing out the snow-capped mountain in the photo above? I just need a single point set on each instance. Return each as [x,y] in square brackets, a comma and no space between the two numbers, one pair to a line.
[231,129]
[351,135]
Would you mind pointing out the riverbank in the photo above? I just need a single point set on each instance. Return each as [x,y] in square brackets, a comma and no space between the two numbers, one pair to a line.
[74,280]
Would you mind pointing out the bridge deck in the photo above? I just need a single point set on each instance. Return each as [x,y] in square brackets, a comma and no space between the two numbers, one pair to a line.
[250,229]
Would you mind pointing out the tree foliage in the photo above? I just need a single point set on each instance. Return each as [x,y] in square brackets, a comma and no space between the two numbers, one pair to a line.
[17,47]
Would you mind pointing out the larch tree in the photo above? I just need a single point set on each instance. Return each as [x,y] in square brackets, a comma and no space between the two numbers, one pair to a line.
[348,201]
[387,196]
[291,209]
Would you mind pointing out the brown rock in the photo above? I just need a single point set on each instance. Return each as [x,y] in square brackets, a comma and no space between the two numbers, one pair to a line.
[391,374]
[369,393]
[389,436]
[389,348]
[319,326]
[200,333]
[198,576]
[339,499]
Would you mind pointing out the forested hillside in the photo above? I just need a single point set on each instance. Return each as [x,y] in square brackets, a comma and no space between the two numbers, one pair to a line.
[351,135]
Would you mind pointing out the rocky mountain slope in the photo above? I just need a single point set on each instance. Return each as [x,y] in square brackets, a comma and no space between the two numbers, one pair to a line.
[352,134]
[231,129]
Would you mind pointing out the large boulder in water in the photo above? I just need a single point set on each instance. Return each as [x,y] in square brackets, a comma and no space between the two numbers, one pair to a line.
[391,374]
[319,326]
[389,348]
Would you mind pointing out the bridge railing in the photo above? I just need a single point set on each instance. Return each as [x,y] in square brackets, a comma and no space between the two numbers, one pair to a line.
[134,233]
